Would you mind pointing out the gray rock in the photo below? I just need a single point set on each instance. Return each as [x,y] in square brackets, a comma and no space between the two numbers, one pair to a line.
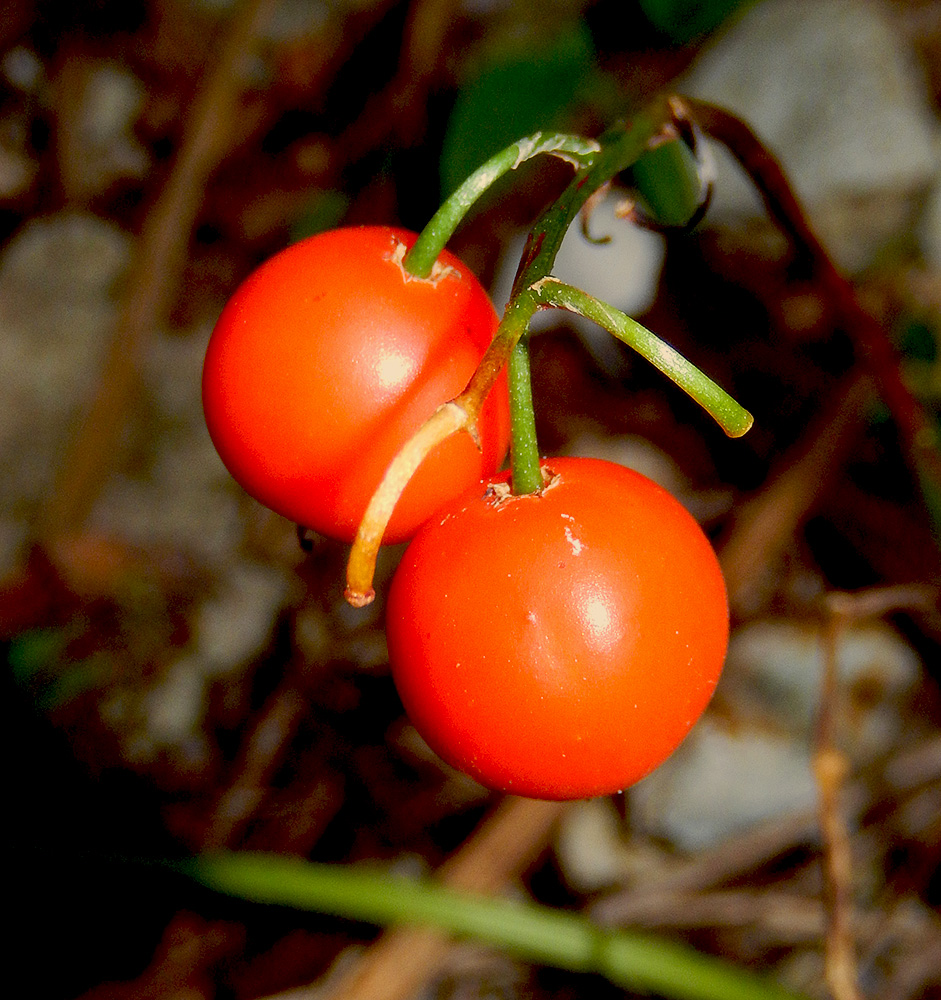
[776,667]
[833,92]
[624,272]
[644,457]
[57,311]
[179,493]
[235,624]
[929,230]
[722,780]
[728,776]
[110,104]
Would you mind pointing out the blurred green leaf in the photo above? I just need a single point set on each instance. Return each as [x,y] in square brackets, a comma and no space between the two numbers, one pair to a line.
[638,962]
[685,20]
[667,179]
[525,88]
[325,211]
[39,662]
[34,653]
[918,341]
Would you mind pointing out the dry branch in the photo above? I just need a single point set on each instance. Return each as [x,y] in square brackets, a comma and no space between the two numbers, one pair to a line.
[155,276]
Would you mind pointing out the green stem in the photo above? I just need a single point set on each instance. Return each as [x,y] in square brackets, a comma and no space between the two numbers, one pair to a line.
[433,238]
[734,419]
[597,164]
[639,962]
[524,448]
[619,149]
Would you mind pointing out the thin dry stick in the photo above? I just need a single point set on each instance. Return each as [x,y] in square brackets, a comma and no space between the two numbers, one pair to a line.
[155,276]
[830,769]
[262,752]
[777,915]
[731,859]
[876,352]
[684,894]
[459,414]
[771,520]
[400,110]
[403,959]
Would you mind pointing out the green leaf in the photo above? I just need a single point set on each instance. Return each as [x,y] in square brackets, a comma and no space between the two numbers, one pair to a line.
[528,88]
[686,20]
[918,340]
[35,653]
[324,211]
[39,663]
[536,933]
[668,181]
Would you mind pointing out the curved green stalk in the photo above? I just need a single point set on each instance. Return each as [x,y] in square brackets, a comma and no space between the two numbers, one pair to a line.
[640,962]
[619,149]
[596,163]
[734,419]
[423,254]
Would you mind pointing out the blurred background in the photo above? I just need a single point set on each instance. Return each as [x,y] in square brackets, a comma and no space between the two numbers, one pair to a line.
[180,675]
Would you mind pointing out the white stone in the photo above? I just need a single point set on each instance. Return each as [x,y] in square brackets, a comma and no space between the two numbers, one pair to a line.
[181,495]
[113,98]
[779,665]
[643,456]
[589,846]
[829,87]
[107,148]
[236,623]
[728,776]
[13,538]
[635,453]
[17,171]
[624,272]
[173,708]
[929,230]
[722,780]
[22,68]
[57,313]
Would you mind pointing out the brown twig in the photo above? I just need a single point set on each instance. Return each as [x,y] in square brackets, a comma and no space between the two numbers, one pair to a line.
[734,858]
[154,277]
[713,888]
[875,350]
[445,421]
[400,109]
[403,959]
[767,523]
[780,916]
[263,749]
[831,768]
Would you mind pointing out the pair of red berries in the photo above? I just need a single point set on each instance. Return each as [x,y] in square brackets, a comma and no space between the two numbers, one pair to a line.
[554,645]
